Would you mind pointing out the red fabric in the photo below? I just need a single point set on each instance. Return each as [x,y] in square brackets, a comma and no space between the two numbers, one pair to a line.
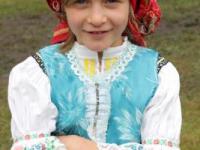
[147,17]
[59,34]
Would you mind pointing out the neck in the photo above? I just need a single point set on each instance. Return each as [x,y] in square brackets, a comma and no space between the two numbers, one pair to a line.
[100,55]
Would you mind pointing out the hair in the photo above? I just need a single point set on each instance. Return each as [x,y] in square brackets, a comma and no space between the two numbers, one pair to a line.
[71,37]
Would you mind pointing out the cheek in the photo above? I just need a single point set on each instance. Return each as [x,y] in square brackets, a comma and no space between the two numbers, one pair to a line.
[121,19]
[74,22]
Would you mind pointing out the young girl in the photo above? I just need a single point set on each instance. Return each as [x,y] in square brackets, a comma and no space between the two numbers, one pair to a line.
[97,86]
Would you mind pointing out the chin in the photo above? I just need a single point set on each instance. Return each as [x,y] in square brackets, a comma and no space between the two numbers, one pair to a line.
[98,47]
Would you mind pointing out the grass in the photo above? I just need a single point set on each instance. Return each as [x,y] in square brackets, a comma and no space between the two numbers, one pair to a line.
[174,11]
[26,23]
[178,40]
[5,137]
[13,8]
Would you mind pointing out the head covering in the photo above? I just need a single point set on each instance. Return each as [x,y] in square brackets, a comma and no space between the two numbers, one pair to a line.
[146,18]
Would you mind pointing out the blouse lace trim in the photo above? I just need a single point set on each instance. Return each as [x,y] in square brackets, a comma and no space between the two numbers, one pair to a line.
[108,76]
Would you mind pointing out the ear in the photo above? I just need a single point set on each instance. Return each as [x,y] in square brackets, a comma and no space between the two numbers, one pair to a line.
[55,5]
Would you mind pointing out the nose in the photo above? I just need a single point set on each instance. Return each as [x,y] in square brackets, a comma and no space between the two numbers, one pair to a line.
[97,17]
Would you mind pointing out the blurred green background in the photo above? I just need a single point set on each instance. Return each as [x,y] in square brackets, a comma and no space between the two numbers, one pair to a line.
[26,26]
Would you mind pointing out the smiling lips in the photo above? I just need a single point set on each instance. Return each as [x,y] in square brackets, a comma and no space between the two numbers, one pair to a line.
[97,32]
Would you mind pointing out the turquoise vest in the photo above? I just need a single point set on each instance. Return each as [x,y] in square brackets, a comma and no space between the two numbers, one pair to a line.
[130,93]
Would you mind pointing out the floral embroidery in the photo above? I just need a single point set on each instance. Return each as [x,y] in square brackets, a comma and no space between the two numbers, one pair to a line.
[160,142]
[49,143]
[29,137]
[127,146]
[19,147]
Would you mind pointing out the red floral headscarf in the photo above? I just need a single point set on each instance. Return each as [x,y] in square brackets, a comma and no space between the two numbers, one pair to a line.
[147,17]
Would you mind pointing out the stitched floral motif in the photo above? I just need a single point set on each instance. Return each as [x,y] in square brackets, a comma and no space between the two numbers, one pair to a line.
[39,146]
[160,142]
[29,137]
[127,146]
[48,143]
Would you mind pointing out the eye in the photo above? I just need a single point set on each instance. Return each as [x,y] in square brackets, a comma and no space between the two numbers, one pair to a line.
[111,1]
[80,1]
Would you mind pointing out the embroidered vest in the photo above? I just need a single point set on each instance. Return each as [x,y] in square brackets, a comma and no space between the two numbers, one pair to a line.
[130,93]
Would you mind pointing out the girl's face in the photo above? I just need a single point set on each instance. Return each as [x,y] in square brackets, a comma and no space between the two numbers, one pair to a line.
[98,24]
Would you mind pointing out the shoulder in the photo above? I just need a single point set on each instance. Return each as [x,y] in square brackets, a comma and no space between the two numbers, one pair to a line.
[169,76]
[52,55]
[147,54]
[25,66]
[50,49]
[31,64]
[29,100]
[142,50]
[143,54]
[27,71]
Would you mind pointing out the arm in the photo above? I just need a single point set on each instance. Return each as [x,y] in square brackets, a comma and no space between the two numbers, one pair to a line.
[162,119]
[33,114]
[74,142]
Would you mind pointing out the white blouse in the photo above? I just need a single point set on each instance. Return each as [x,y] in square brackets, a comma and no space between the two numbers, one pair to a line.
[34,115]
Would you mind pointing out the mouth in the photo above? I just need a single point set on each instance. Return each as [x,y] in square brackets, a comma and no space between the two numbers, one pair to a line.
[97,32]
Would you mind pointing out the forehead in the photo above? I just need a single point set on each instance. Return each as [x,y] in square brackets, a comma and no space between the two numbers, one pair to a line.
[72,1]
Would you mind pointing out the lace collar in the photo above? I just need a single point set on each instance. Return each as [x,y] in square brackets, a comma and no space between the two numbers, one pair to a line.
[83,52]
[126,55]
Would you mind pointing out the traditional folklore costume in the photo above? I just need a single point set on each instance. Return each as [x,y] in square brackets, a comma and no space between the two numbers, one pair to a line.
[132,103]
[129,102]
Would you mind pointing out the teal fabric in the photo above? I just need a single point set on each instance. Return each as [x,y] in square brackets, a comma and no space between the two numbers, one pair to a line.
[130,94]
[67,93]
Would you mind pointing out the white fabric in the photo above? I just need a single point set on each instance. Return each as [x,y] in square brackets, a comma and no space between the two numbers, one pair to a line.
[33,112]
[124,52]
[83,52]
[97,133]
[50,143]
[164,112]
[30,105]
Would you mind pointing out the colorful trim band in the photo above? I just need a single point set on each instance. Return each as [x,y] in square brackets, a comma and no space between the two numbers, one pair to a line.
[47,144]
[160,142]
[30,137]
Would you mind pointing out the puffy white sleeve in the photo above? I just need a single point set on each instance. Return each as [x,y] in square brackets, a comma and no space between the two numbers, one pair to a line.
[33,113]
[162,119]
